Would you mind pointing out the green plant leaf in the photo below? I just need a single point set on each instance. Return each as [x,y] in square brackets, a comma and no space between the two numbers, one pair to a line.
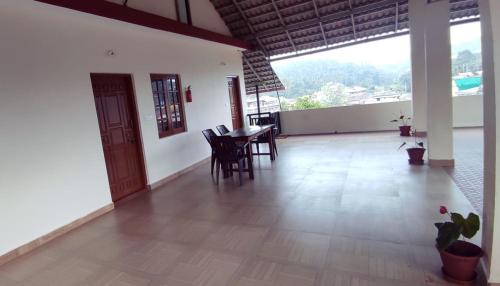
[402,117]
[448,233]
[394,120]
[470,225]
[401,146]
[457,218]
[421,144]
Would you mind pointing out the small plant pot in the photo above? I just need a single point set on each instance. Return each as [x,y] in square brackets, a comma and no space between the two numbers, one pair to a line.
[416,156]
[460,261]
[404,131]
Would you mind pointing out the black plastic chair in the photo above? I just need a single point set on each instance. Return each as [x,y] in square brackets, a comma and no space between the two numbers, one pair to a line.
[222,129]
[254,117]
[229,153]
[263,139]
[210,135]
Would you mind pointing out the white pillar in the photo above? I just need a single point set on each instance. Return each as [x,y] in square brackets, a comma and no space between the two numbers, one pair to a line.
[439,101]
[416,10]
[490,29]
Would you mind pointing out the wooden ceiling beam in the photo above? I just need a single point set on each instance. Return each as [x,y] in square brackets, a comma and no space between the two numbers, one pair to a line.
[267,4]
[396,25]
[125,14]
[352,22]
[250,28]
[320,22]
[344,14]
[284,25]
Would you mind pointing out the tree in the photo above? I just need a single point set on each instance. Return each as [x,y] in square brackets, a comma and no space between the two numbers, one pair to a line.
[286,106]
[404,81]
[334,94]
[466,61]
[308,77]
[306,102]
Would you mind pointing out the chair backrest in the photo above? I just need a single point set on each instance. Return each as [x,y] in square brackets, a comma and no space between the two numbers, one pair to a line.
[222,129]
[253,117]
[226,148]
[265,121]
[209,135]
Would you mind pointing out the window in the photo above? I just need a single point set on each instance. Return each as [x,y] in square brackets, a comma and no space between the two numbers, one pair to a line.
[169,109]
[183,11]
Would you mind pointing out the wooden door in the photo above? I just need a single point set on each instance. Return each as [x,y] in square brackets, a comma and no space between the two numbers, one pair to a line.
[235,101]
[116,113]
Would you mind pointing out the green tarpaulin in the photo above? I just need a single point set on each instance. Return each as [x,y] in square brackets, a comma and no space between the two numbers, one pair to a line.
[468,82]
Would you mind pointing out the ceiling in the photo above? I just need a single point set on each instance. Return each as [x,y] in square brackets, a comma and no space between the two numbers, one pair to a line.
[289,27]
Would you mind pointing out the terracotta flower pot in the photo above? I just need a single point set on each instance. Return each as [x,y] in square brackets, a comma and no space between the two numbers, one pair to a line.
[460,261]
[416,156]
[404,131]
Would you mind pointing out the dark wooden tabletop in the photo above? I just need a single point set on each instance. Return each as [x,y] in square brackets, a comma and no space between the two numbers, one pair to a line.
[250,131]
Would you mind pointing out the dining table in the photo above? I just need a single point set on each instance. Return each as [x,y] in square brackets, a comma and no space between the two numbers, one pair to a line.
[249,133]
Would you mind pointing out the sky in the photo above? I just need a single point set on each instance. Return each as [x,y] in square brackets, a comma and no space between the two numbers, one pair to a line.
[389,51]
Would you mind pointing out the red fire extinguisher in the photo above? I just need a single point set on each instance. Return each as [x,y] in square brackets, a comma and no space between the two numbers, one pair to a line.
[189,96]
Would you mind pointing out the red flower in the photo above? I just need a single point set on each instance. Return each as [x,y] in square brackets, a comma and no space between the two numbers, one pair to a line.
[443,210]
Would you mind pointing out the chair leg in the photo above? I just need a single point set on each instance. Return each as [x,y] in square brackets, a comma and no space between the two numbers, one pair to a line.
[240,171]
[250,167]
[275,147]
[226,168]
[258,148]
[212,163]
[271,149]
[217,171]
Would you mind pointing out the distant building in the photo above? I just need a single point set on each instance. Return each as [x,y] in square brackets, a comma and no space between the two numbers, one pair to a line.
[369,97]
[356,90]
[267,103]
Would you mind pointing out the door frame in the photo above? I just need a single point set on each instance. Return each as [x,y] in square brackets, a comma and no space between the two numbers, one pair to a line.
[134,113]
[236,79]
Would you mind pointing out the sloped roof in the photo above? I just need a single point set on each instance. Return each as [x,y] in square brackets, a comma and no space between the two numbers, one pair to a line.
[280,27]
[258,71]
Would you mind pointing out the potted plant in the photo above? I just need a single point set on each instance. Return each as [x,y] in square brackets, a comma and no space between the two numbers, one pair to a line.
[416,152]
[404,128]
[459,257]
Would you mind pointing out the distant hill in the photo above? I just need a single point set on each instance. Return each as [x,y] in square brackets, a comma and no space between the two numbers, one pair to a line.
[306,77]
[474,45]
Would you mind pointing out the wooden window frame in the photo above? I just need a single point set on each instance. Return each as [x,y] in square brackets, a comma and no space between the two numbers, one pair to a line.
[188,12]
[170,124]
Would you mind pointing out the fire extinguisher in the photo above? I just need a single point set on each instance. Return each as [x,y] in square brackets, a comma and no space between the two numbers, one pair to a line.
[189,96]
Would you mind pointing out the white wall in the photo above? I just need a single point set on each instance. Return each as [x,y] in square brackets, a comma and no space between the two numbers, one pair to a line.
[52,167]
[165,8]
[467,112]
[203,13]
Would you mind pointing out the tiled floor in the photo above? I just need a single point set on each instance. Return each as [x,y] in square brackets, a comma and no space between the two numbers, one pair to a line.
[343,210]
[468,172]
